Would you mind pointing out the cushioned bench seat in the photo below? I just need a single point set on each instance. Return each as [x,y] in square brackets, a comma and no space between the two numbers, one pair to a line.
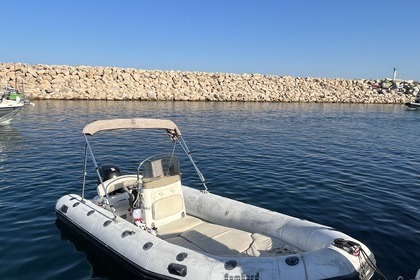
[218,240]
[198,235]
[184,243]
[179,226]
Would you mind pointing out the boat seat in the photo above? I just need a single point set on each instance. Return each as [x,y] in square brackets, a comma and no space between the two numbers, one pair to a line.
[184,243]
[192,233]
[177,227]
[163,200]
[198,235]
[218,240]
[116,183]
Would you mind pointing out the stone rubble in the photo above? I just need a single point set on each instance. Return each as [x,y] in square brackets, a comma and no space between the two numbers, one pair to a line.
[113,83]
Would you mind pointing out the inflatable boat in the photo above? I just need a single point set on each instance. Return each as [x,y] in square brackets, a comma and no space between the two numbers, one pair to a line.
[158,228]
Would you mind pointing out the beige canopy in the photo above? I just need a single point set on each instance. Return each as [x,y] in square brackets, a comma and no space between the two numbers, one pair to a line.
[139,123]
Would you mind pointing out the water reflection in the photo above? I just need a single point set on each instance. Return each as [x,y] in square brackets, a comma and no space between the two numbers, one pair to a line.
[10,139]
[103,266]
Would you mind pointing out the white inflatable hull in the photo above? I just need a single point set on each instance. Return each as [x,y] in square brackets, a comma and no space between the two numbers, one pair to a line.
[149,255]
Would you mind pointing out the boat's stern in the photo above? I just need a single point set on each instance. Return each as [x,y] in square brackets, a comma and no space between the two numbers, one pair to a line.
[358,255]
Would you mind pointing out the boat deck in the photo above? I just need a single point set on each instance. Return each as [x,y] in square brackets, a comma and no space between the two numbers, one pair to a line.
[201,236]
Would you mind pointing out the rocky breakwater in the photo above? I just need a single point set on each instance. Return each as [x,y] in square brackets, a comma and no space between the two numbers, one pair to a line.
[112,83]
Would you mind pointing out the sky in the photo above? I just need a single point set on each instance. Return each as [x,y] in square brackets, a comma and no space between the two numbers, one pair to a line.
[351,39]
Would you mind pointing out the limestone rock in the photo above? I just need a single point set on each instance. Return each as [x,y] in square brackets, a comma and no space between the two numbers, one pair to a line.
[112,83]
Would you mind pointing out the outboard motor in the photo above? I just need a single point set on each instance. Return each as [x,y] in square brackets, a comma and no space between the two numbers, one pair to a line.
[108,171]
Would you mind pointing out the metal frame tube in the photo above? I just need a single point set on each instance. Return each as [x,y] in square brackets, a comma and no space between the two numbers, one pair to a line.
[184,146]
[99,176]
[84,172]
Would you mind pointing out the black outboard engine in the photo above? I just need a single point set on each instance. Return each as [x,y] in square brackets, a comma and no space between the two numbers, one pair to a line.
[108,171]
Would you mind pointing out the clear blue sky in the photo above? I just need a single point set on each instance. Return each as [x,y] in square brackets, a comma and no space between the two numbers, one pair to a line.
[312,38]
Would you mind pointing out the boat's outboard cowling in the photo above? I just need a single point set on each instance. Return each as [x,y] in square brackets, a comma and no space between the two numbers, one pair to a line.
[108,171]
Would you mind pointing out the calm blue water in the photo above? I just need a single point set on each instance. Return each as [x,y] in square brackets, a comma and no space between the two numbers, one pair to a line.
[352,167]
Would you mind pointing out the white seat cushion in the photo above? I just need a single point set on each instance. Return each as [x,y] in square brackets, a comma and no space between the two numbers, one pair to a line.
[183,243]
[192,233]
[177,227]
[218,240]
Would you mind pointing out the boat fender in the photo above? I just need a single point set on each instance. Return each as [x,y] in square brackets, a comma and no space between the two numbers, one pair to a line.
[138,219]
[349,246]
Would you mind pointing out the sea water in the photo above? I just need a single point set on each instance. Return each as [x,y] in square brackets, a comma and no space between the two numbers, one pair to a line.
[353,167]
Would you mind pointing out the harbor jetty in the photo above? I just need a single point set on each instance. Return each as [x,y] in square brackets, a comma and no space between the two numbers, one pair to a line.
[113,83]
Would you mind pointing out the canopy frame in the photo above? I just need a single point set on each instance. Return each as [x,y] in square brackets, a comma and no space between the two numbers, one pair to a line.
[134,123]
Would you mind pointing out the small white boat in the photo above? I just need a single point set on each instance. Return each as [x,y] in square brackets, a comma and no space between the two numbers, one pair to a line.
[9,107]
[11,102]
[157,227]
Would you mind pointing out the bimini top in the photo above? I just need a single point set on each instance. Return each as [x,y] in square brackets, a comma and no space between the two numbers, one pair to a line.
[139,123]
